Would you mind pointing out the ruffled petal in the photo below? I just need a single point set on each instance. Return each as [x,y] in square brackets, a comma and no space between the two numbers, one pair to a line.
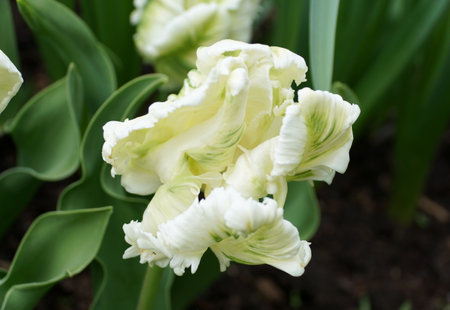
[201,128]
[235,228]
[170,31]
[251,173]
[315,137]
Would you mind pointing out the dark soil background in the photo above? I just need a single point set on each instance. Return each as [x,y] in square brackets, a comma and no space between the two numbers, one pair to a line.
[358,252]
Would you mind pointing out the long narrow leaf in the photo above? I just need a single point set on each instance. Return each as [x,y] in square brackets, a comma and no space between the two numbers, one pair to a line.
[8,43]
[401,46]
[290,23]
[422,121]
[322,30]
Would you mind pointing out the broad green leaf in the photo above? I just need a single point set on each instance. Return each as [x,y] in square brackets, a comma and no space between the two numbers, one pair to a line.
[55,66]
[423,118]
[8,43]
[46,131]
[17,187]
[110,21]
[75,43]
[302,209]
[122,279]
[322,29]
[398,49]
[57,245]
[47,137]
[289,28]
[54,63]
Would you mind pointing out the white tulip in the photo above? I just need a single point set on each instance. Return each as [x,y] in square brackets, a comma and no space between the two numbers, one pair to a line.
[169,32]
[233,136]
[235,97]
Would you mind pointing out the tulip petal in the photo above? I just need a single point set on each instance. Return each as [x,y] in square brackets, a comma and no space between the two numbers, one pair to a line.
[235,228]
[315,137]
[10,80]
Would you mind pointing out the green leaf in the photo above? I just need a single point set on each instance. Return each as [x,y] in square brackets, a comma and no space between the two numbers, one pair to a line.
[361,25]
[122,103]
[398,49]
[322,30]
[8,43]
[69,3]
[121,279]
[47,137]
[57,245]
[290,24]
[187,287]
[17,187]
[46,131]
[302,209]
[345,92]
[110,21]
[423,118]
[75,43]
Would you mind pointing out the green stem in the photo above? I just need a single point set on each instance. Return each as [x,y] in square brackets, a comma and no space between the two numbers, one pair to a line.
[150,288]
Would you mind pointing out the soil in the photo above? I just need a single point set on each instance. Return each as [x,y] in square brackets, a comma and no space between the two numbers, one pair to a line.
[359,254]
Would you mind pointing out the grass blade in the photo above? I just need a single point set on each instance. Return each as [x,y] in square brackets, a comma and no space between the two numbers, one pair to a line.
[322,30]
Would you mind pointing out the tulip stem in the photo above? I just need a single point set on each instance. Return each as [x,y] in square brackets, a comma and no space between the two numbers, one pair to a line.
[150,287]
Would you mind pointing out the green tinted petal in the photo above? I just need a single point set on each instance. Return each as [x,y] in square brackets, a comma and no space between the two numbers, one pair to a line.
[170,31]
[235,228]
[315,137]
[10,80]
[251,172]
[170,200]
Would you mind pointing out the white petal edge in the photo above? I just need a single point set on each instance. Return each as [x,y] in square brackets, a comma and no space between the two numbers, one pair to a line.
[10,80]
[234,227]
[315,137]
